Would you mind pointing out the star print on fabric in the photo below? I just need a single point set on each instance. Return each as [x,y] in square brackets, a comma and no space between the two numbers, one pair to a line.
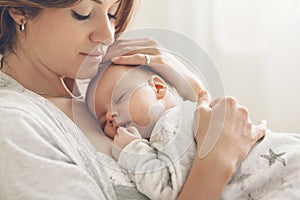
[238,176]
[273,157]
[250,197]
[238,179]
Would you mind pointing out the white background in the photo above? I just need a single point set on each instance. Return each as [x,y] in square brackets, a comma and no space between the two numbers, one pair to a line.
[255,45]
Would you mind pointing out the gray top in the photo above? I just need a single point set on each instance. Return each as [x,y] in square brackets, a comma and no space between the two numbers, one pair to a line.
[44,155]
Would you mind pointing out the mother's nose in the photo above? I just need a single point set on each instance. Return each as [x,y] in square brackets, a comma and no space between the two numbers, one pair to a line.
[103,31]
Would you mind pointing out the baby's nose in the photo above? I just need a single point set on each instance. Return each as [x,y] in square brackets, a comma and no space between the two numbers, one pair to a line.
[111,118]
[110,115]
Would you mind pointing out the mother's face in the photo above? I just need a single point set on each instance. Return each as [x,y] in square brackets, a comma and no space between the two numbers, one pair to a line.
[71,41]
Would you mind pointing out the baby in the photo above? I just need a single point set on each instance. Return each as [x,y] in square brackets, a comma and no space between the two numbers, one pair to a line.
[151,128]
[144,116]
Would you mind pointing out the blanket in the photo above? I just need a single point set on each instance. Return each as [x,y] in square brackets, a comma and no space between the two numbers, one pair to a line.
[271,170]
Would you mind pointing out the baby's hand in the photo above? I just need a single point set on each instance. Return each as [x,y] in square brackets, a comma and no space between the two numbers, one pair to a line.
[123,137]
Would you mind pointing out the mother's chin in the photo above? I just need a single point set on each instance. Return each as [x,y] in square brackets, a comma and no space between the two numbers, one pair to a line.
[87,70]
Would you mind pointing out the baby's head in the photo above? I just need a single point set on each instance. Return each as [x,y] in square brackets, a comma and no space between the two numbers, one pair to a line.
[123,96]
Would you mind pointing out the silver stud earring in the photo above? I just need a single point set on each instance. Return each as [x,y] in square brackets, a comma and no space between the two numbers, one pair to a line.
[22,26]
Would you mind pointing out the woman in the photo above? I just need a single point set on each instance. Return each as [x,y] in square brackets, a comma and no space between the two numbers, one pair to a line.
[44,154]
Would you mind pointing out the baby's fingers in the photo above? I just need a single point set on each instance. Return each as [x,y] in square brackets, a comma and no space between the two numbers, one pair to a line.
[203,99]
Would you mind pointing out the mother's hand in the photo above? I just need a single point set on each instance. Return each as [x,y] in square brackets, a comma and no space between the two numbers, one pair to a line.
[224,137]
[136,51]
[225,129]
[132,51]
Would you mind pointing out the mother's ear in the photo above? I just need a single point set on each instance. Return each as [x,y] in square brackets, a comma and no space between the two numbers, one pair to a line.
[159,86]
[18,15]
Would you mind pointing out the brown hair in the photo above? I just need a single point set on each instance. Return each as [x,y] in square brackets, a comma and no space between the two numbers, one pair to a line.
[31,8]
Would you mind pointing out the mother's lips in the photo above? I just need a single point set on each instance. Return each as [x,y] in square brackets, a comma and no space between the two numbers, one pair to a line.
[91,54]
[93,57]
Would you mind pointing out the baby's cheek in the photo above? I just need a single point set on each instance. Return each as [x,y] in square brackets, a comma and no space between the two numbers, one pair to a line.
[139,113]
[140,116]
[110,131]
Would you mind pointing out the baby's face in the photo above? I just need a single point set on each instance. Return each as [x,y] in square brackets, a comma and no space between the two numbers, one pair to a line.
[125,98]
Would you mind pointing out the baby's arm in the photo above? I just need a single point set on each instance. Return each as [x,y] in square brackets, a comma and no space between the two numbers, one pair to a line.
[154,172]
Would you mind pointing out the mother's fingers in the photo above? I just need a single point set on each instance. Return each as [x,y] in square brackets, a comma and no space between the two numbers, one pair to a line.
[260,131]
[215,102]
[202,116]
[123,52]
[229,100]
[135,42]
[132,46]
[137,59]
[248,127]
[119,51]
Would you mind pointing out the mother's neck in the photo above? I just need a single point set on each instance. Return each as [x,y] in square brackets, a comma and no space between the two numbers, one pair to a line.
[34,75]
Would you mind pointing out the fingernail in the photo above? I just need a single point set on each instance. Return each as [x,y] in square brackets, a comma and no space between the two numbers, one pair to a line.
[115,59]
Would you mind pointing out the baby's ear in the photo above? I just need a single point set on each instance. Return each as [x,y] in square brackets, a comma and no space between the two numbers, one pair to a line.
[159,86]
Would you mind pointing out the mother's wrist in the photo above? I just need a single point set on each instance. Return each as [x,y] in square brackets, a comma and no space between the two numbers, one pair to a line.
[217,164]
[214,177]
